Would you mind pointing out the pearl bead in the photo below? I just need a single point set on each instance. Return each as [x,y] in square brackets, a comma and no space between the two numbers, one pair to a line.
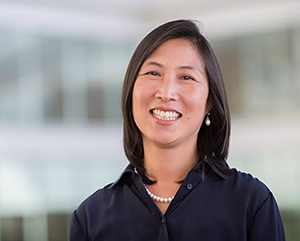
[207,122]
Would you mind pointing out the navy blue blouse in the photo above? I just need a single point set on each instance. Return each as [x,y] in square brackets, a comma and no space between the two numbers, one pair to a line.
[221,207]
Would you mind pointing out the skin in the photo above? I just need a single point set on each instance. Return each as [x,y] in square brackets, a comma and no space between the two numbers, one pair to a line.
[172,78]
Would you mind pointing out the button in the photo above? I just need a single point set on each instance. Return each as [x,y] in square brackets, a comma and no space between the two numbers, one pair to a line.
[163,221]
[189,186]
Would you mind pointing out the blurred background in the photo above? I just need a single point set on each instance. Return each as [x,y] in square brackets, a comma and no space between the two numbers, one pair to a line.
[62,65]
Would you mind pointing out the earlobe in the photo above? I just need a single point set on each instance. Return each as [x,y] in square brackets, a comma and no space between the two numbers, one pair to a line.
[208,107]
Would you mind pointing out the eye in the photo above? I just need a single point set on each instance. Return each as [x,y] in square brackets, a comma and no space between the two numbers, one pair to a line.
[186,77]
[153,73]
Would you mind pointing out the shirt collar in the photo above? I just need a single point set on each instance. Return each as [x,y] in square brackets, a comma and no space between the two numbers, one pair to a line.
[214,169]
[129,171]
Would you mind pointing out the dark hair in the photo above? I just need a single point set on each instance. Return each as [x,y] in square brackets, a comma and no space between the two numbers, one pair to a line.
[213,140]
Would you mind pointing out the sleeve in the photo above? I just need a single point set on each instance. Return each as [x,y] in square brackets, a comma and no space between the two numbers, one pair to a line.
[76,230]
[267,223]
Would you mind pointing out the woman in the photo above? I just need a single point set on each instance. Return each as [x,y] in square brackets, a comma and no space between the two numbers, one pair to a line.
[178,185]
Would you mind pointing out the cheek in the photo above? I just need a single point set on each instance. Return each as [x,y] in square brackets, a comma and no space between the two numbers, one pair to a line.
[140,97]
[142,92]
[136,100]
[195,103]
[196,100]
[135,103]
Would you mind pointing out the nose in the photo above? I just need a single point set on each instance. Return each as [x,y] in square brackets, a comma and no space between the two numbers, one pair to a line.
[167,89]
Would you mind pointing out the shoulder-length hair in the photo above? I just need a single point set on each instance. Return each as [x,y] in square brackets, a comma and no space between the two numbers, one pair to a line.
[213,140]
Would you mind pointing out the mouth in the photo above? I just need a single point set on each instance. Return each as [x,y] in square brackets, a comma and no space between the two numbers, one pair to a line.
[165,115]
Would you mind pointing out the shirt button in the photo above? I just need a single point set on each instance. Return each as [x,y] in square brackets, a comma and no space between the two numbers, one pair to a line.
[163,221]
[189,186]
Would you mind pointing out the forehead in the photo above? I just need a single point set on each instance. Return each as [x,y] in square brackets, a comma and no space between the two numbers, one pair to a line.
[177,51]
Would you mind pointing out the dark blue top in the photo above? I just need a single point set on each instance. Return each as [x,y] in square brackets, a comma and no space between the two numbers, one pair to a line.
[233,207]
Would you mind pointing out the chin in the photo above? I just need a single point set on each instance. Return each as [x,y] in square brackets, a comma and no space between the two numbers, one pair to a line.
[165,142]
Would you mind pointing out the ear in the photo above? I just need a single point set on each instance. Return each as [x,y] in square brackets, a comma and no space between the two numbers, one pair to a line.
[208,107]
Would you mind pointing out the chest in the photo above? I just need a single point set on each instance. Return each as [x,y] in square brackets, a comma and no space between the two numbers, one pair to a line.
[162,207]
[188,219]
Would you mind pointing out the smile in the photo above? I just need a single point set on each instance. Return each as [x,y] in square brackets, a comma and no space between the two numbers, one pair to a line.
[165,115]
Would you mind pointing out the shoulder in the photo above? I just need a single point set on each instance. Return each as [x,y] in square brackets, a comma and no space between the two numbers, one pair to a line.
[96,202]
[101,200]
[247,180]
[249,188]
[92,211]
[99,196]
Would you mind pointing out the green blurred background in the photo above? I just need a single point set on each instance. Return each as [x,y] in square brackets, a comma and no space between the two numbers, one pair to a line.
[62,64]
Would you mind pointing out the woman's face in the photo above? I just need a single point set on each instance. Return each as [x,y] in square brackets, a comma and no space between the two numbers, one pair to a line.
[170,95]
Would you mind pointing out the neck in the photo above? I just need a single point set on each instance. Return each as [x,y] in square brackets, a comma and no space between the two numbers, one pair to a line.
[169,164]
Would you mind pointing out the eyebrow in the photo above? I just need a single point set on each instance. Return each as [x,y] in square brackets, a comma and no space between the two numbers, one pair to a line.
[154,63]
[190,67]
[181,67]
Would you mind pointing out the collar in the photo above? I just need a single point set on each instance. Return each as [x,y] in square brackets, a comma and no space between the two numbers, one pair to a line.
[129,172]
[215,170]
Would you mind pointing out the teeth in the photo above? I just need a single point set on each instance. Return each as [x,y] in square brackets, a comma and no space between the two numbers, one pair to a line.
[165,115]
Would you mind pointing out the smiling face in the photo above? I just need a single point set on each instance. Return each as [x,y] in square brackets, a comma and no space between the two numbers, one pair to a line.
[170,95]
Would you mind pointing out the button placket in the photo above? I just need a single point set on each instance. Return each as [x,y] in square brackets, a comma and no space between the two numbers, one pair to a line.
[190,183]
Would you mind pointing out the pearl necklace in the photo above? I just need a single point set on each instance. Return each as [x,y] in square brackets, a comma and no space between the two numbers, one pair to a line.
[157,198]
